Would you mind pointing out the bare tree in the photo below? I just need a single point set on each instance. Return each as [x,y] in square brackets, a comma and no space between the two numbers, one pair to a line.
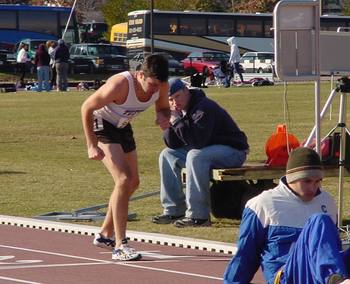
[253,6]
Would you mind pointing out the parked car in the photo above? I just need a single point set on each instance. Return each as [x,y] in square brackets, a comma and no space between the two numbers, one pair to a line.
[96,57]
[203,62]
[175,67]
[257,62]
[33,45]
[7,55]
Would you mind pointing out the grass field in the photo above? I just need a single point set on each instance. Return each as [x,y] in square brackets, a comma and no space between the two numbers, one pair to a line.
[44,165]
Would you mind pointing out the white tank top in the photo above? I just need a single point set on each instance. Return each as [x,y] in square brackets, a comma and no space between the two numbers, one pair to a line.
[121,115]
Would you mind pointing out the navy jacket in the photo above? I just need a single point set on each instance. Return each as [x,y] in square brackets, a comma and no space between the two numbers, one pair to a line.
[61,54]
[205,123]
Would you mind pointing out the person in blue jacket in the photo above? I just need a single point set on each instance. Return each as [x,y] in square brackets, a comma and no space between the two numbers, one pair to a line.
[201,136]
[290,231]
[61,58]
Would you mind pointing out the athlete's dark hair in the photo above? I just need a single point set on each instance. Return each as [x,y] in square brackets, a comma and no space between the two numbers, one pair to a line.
[156,66]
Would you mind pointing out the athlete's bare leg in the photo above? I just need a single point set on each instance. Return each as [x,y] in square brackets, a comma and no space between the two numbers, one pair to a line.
[123,168]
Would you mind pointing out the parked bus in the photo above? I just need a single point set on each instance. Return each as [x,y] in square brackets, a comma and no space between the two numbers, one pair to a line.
[36,22]
[180,33]
[119,34]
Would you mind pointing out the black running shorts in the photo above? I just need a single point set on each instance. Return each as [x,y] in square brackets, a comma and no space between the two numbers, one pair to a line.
[107,133]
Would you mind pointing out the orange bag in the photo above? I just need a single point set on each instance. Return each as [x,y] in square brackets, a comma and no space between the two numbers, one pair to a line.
[276,146]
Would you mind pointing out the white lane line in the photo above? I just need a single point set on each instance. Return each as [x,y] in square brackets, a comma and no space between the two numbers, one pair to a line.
[19,280]
[170,271]
[51,265]
[57,254]
[6,257]
[101,262]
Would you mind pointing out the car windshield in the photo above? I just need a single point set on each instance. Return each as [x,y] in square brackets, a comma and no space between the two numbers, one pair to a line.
[103,49]
[35,44]
[215,56]
[100,27]
[7,46]
[167,55]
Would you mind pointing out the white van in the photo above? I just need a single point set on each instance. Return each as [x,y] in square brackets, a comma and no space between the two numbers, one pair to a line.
[257,62]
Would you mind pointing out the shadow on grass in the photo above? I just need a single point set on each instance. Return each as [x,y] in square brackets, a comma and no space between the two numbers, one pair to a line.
[12,173]
[346,222]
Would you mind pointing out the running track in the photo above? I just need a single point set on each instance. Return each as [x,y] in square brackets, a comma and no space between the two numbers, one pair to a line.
[41,252]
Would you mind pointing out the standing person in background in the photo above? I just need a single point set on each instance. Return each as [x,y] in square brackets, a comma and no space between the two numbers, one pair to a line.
[22,59]
[234,59]
[106,117]
[42,62]
[61,58]
[51,45]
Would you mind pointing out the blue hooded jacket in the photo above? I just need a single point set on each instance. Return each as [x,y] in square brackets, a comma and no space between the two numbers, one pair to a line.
[205,123]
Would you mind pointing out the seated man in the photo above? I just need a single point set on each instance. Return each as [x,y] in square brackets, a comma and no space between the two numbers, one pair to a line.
[202,136]
[290,230]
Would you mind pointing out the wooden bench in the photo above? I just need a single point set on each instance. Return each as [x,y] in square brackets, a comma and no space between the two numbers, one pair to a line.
[260,171]
[232,187]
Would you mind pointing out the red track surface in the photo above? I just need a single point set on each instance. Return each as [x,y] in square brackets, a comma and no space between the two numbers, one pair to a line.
[44,257]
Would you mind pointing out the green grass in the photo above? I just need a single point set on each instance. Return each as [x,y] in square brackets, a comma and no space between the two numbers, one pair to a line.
[44,165]
[11,76]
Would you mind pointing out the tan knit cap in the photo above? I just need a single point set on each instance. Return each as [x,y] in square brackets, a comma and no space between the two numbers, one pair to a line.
[303,163]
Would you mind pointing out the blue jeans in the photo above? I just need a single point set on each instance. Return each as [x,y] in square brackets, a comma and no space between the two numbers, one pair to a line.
[195,202]
[43,78]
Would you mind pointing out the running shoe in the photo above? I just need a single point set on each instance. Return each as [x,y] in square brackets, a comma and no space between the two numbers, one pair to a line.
[103,242]
[125,253]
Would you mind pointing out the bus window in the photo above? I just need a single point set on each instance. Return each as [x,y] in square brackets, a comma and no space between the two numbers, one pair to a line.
[99,27]
[331,26]
[250,28]
[19,22]
[222,27]
[192,25]
[28,20]
[64,19]
[173,28]
[7,19]
[165,25]
[268,32]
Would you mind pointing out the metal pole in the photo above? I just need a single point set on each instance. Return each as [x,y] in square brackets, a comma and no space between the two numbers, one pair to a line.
[342,125]
[317,83]
[70,16]
[325,108]
[151,27]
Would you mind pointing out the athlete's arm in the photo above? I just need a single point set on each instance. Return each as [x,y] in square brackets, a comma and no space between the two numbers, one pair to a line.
[162,107]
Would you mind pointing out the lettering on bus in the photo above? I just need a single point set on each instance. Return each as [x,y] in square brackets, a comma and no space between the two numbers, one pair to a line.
[133,22]
[135,30]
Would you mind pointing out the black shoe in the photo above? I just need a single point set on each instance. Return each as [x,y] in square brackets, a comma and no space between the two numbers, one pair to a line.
[165,219]
[191,222]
